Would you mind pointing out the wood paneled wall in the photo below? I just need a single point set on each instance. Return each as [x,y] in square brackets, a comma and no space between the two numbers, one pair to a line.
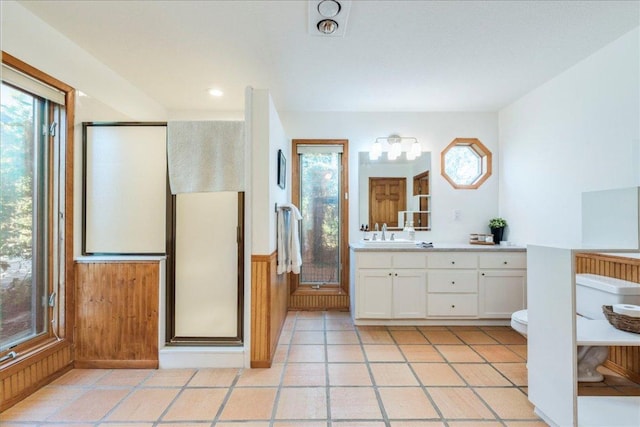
[624,360]
[269,293]
[319,302]
[22,379]
[117,314]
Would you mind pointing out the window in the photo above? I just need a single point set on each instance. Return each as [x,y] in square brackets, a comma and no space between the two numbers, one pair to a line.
[32,206]
[319,188]
[466,163]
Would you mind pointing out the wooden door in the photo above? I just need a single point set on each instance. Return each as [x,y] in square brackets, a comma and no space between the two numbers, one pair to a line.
[387,196]
[421,188]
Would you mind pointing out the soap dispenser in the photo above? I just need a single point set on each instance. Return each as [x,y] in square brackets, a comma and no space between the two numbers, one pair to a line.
[411,231]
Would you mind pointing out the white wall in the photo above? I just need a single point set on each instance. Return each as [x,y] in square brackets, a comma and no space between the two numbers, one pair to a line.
[268,136]
[578,132]
[434,131]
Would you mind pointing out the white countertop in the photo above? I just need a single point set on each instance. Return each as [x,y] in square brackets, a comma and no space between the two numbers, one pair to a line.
[437,247]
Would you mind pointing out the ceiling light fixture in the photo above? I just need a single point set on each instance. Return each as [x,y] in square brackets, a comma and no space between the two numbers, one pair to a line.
[216,92]
[394,147]
[327,26]
[329,8]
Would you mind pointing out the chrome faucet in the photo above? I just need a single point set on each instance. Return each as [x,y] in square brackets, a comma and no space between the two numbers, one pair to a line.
[384,230]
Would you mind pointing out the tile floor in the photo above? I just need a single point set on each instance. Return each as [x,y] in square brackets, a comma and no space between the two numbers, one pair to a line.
[326,373]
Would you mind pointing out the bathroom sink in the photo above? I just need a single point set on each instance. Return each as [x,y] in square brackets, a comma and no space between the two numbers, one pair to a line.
[396,243]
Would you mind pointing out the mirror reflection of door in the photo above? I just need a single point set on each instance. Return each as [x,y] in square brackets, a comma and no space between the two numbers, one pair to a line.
[387,196]
[421,188]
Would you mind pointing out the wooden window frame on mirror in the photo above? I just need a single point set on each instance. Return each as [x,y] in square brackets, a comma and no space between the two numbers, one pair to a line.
[343,289]
[485,157]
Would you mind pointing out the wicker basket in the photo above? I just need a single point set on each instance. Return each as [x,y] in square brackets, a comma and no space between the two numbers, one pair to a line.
[620,321]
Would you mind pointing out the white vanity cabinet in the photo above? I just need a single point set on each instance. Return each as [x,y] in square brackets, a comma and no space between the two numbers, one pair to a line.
[502,284]
[390,285]
[470,286]
[452,284]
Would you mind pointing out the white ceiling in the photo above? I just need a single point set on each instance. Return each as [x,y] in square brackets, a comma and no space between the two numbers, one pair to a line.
[395,55]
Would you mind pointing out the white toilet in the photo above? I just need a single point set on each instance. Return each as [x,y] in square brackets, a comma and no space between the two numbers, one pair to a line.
[592,292]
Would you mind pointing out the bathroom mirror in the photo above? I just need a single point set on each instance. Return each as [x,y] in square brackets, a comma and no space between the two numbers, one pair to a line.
[389,187]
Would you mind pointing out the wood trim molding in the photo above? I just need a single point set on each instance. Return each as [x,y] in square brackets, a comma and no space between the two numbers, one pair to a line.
[622,360]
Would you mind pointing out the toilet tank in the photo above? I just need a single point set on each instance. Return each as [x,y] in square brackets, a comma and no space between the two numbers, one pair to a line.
[594,291]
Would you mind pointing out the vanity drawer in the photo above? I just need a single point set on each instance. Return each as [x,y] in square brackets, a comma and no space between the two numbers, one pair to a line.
[452,260]
[503,260]
[452,305]
[374,260]
[409,260]
[452,281]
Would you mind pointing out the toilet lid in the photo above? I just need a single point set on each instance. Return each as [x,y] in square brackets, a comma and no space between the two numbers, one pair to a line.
[520,317]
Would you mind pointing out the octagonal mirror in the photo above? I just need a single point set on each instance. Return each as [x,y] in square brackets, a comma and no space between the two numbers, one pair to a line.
[465,163]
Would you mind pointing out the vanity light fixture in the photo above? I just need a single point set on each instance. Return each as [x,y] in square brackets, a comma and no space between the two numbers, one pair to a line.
[394,147]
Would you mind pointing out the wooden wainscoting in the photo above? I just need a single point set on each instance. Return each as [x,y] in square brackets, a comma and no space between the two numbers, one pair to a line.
[318,301]
[117,314]
[623,360]
[20,380]
[268,308]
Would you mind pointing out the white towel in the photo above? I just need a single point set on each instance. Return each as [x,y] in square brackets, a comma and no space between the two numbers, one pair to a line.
[205,156]
[288,240]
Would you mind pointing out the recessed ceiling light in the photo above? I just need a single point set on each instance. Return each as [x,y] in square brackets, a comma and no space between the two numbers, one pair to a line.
[215,92]
[327,26]
[328,8]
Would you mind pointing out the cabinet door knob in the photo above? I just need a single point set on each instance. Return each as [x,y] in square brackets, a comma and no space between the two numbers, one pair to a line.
[389,274]
[505,262]
[453,306]
[482,274]
[453,262]
[396,274]
[453,283]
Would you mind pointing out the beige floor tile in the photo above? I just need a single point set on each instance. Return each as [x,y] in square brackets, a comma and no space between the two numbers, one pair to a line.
[344,353]
[475,424]
[475,337]
[91,406]
[310,324]
[261,377]
[295,424]
[302,403]
[342,337]
[455,329]
[280,356]
[285,337]
[122,425]
[311,314]
[145,404]
[309,353]
[124,377]
[459,354]
[526,424]
[417,424]
[42,404]
[401,328]
[432,328]
[441,337]
[383,353]
[598,391]
[358,424]
[408,337]
[358,403]
[515,372]
[247,424]
[519,349]
[508,403]
[169,378]
[506,336]
[337,314]
[375,336]
[352,374]
[307,337]
[437,374]
[393,374]
[476,374]
[497,353]
[213,378]
[289,323]
[20,424]
[249,404]
[407,403]
[339,324]
[196,404]
[420,353]
[304,374]
[81,377]
[459,403]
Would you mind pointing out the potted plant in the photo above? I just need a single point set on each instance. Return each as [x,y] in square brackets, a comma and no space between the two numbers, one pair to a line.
[497,226]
